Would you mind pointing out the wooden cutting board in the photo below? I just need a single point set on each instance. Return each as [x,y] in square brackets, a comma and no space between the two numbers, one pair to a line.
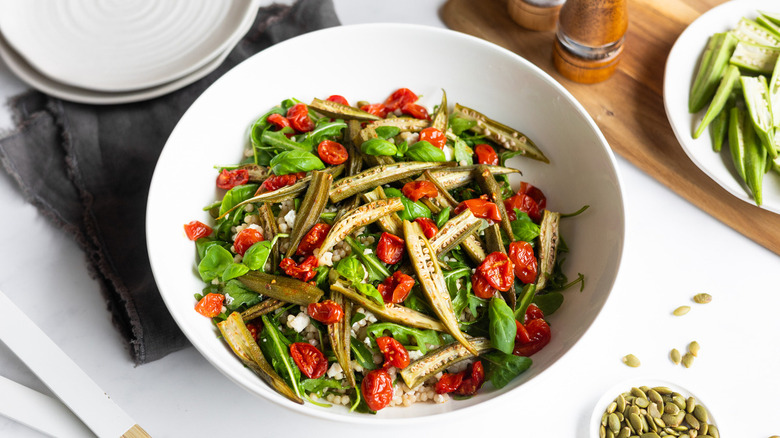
[629,106]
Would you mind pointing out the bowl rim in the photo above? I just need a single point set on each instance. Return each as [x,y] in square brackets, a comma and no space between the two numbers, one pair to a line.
[482,45]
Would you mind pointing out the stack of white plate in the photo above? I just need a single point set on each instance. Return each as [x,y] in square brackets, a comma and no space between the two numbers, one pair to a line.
[118,51]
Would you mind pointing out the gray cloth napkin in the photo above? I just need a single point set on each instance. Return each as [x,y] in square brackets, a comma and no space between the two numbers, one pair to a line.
[88,168]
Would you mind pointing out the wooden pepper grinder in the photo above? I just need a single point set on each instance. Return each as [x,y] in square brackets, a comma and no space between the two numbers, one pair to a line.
[535,14]
[589,42]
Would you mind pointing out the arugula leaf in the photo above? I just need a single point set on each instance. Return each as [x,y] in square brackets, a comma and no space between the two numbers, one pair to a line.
[273,346]
[462,152]
[503,156]
[412,210]
[321,279]
[459,124]
[275,141]
[549,302]
[374,267]
[240,294]
[424,151]
[502,368]
[234,270]
[415,302]
[474,303]
[523,227]
[295,161]
[404,335]
[502,325]
[319,385]
[357,316]
[235,195]
[214,263]
[442,217]
[362,354]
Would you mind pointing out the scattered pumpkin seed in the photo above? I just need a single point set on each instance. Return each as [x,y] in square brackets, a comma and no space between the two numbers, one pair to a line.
[675,356]
[682,310]
[693,348]
[702,298]
[713,431]
[631,360]
[687,360]
[700,413]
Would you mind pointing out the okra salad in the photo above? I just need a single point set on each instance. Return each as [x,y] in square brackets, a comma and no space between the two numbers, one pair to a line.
[375,255]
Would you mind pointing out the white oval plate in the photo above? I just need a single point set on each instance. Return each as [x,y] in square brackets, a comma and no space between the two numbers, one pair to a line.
[120,46]
[473,72]
[678,77]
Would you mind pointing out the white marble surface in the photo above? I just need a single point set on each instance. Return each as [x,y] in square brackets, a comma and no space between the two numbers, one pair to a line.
[673,251]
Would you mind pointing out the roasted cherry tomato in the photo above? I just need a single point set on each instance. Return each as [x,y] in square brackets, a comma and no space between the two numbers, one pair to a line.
[482,289]
[245,239]
[376,109]
[227,179]
[309,359]
[533,312]
[539,335]
[395,353]
[377,389]
[481,208]
[522,256]
[415,190]
[210,305]
[338,99]
[326,312]
[521,336]
[196,229]
[331,152]
[534,193]
[416,111]
[254,328]
[434,137]
[313,239]
[523,203]
[449,382]
[429,227]
[304,271]
[276,182]
[396,287]
[498,270]
[400,98]
[390,248]
[486,154]
[278,120]
[473,380]
[298,115]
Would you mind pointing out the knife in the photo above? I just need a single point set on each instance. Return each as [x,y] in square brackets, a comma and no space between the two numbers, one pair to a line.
[65,379]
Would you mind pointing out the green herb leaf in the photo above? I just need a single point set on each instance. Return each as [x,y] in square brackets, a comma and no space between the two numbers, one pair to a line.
[369,291]
[462,152]
[526,297]
[351,268]
[295,161]
[387,131]
[318,386]
[240,294]
[402,148]
[236,195]
[323,131]
[459,124]
[214,263]
[549,302]
[523,227]
[502,368]
[502,325]
[412,210]
[257,255]
[362,354]
[234,270]
[424,151]
[378,146]
[376,270]
[442,217]
[204,243]
[275,349]
[503,156]
[404,335]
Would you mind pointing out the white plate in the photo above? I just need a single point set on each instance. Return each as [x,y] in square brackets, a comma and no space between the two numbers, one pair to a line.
[27,73]
[121,45]
[680,69]
[473,72]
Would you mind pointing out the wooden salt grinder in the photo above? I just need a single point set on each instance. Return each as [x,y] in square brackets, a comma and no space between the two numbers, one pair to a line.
[535,14]
[589,42]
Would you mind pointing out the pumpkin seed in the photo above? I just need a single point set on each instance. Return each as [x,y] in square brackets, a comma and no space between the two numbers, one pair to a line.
[610,434]
[631,360]
[625,432]
[602,432]
[650,435]
[694,348]
[614,423]
[653,411]
[692,421]
[671,408]
[702,298]
[636,392]
[690,404]
[713,431]
[604,418]
[611,408]
[687,360]
[682,310]
[675,356]
[621,403]
[700,413]
[703,428]
[663,390]
[642,402]
[635,422]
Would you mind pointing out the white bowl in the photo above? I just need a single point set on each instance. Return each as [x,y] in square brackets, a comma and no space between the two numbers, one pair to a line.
[678,78]
[369,62]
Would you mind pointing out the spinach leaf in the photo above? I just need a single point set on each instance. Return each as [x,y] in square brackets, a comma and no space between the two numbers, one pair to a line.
[459,124]
[369,291]
[412,210]
[378,146]
[275,349]
[376,270]
[257,255]
[523,227]
[214,263]
[549,302]
[295,161]
[351,269]
[442,217]
[462,152]
[387,131]
[502,325]
[240,294]
[502,368]
[404,335]
[234,270]
[235,195]
[362,354]
[424,151]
